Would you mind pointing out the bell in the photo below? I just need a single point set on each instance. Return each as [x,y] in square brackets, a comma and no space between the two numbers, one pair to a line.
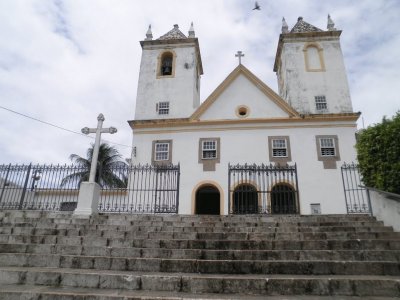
[167,70]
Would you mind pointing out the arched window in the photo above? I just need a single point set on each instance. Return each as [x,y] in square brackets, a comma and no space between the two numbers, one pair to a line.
[283,199]
[313,56]
[245,199]
[166,64]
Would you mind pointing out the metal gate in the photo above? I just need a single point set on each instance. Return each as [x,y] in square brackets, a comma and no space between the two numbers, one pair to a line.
[356,195]
[150,189]
[263,189]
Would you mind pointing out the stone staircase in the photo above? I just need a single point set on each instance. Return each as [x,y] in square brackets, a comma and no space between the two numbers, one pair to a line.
[57,256]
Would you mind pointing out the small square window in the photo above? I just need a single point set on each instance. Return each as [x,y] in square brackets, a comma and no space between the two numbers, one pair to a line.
[327,146]
[209,149]
[162,108]
[320,103]
[161,151]
[315,208]
[279,148]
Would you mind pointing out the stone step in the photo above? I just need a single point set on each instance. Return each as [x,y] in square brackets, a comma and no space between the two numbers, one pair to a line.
[109,236]
[194,241]
[303,267]
[109,232]
[387,286]
[31,292]
[334,244]
[12,214]
[275,227]
[207,254]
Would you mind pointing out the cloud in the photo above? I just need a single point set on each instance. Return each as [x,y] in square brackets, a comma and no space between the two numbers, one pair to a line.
[66,61]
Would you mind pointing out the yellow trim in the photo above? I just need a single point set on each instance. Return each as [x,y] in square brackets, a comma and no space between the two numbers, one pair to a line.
[241,128]
[208,183]
[320,54]
[240,69]
[168,123]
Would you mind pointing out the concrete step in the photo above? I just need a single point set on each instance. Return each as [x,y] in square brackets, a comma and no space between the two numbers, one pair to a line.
[12,214]
[333,244]
[84,230]
[219,227]
[207,254]
[203,283]
[111,237]
[296,267]
[31,292]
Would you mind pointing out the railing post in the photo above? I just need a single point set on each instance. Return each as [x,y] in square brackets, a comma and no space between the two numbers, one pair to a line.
[5,182]
[371,213]
[297,190]
[156,169]
[177,186]
[21,201]
[229,188]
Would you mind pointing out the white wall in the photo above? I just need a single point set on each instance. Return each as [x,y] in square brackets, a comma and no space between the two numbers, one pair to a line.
[247,144]
[180,90]
[242,92]
[299,87]
[385,209]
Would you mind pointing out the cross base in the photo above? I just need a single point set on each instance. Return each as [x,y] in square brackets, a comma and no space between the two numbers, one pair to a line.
[88,199]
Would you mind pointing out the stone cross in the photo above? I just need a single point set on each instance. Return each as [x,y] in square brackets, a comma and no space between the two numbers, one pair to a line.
[239,55]
[99,130]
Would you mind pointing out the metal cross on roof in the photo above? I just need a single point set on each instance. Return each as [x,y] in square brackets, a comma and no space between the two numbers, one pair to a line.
[98,131]
[239,55]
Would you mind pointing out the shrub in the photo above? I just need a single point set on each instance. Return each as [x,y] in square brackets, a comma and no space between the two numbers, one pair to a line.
[378,151]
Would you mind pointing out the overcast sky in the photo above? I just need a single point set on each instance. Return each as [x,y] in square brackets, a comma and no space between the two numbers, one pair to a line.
[64,62]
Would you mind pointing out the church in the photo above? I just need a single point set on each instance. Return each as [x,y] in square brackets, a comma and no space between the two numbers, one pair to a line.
[247,149]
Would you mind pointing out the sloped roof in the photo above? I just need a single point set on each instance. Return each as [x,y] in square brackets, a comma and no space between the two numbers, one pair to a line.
[240,69]
[302,26]
[173,34]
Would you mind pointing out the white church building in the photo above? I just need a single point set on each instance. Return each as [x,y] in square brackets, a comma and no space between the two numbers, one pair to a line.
[246,148]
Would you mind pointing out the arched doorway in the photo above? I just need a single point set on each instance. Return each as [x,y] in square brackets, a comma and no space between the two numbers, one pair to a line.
[207,201]
[245,199]
[283,199]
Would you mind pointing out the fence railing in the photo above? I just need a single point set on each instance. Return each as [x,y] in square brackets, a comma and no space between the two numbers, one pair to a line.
[263,189]
[37,187]
[150,189]
[135,189]
[356,196]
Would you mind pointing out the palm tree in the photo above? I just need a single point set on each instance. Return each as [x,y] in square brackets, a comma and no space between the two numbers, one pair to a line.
[109,171]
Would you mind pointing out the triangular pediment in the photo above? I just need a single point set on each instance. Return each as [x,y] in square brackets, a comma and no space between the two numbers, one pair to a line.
[173,34]
[240,92]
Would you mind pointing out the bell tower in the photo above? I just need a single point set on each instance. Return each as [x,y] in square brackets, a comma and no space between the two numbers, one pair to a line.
[169,78]
[310,69]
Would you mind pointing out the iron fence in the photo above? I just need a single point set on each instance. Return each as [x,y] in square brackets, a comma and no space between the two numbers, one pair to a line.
[150,189]
[356,196]
[140,189]
[38,187]
[263,189]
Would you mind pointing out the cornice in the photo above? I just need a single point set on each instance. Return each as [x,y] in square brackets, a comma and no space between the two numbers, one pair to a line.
[186,122]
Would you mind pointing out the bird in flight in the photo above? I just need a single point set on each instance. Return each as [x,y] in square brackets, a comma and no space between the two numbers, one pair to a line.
[257,6]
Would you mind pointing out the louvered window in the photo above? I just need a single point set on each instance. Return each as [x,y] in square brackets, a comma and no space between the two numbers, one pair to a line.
[209,149]
[327,146]
[279,148]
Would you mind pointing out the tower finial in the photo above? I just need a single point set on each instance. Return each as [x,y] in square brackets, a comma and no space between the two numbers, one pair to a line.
[191,31]
[331,24]
[149,34]
[285,27]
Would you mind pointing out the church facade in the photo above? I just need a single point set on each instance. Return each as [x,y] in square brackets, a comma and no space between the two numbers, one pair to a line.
[247,148]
